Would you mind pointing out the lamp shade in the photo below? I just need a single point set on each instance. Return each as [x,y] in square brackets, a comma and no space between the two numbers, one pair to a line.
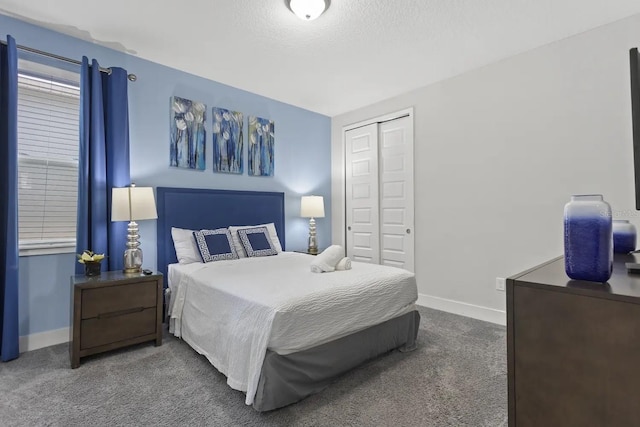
[312,207]
[307,10]
[133,203]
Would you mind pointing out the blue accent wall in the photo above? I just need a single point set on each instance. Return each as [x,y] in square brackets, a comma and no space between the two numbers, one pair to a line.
[302,159]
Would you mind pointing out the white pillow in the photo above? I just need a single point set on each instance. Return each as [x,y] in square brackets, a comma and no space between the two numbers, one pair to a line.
[273,235]
[185,246]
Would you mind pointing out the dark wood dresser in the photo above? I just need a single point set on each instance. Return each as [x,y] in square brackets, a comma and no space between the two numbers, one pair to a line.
[573,348]
[114,310]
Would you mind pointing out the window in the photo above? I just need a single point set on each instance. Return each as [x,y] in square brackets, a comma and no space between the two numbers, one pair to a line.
[48,134]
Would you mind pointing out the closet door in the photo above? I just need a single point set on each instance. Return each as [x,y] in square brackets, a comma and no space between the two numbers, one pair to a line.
[396,193]
[362,216]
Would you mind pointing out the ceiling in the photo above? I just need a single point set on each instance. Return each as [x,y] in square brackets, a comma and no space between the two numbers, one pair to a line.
[357,53]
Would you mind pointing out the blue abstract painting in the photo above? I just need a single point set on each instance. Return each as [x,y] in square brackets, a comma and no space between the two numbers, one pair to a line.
[261,146]
[227,141]
[187,134]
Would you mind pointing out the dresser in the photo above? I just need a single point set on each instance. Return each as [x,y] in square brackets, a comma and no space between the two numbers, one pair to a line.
[114,310]
[573,348]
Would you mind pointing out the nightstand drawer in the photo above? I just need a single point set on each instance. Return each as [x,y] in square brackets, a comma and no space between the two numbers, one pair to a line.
[118,327]
[111,299]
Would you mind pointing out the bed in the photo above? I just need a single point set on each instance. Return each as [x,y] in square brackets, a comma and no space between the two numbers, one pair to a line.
[277,331]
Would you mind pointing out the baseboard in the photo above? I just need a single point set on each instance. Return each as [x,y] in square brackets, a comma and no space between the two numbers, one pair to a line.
[462,308]
[43,339]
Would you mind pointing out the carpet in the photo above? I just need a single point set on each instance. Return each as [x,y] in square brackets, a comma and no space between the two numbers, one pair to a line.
[456,377]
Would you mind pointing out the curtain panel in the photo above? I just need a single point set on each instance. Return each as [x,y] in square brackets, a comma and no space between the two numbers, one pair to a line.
[9,326]
[103,162]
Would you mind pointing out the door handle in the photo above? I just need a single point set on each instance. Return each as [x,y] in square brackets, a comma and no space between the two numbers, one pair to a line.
[408,231]
[349,228]
[120,313]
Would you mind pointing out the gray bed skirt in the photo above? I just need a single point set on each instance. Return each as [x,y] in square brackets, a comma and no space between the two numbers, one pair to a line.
[286,379]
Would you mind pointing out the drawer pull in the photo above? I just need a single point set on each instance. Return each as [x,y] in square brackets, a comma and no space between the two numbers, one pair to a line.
[120,313]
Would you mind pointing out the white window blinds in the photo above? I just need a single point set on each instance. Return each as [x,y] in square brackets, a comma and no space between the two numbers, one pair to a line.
[48,129]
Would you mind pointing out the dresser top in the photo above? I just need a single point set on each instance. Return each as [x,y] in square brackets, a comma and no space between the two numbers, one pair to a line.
[552,274]
[113,276]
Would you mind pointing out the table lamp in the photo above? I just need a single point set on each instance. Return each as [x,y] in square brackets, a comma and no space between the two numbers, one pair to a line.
[132,204]
[312,207]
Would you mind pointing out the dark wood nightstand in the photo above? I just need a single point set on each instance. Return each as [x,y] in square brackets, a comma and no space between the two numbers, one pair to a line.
[114,310]
[308,253]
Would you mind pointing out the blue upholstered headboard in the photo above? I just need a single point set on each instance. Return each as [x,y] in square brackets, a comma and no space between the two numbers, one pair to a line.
[198,209]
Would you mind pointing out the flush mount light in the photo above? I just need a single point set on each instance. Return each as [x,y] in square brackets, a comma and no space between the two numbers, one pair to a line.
[308,10]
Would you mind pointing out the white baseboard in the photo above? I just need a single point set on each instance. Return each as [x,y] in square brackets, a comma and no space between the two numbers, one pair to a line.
[462,308]
[43,339]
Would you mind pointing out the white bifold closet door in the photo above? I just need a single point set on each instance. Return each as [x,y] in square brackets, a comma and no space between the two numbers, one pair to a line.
[379,193]
[363,222]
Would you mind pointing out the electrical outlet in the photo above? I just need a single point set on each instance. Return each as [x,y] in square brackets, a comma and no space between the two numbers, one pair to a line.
[501,282]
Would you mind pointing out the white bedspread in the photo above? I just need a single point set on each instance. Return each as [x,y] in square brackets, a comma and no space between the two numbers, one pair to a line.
[232,311]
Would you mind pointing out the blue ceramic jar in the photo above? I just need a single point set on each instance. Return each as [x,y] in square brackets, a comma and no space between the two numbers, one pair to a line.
[624,236]
[588,238]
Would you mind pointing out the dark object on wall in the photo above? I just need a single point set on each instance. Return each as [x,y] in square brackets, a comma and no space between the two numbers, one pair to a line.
[634,59]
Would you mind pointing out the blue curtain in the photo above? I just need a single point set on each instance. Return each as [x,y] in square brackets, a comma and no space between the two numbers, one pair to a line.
[103,162]
[9,332]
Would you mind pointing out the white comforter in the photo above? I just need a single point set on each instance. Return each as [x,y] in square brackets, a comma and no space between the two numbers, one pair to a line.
[232,311]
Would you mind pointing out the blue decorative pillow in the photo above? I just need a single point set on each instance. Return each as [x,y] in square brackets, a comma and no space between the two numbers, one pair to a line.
[215,245]
[256,242]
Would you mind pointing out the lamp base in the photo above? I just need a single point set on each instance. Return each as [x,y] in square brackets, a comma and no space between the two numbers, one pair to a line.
[313,244]
[132,261]
[133,254]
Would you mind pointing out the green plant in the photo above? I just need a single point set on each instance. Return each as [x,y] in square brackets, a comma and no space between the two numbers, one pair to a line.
[89,256]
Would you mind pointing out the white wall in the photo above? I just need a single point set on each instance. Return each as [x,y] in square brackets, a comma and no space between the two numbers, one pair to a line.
[499,151]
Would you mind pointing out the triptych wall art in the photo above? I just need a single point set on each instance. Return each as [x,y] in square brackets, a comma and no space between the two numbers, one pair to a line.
[187,143]
[261,141]
[188,139]
[227,141]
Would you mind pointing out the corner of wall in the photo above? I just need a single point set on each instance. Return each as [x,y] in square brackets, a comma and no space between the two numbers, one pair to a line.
[43,339]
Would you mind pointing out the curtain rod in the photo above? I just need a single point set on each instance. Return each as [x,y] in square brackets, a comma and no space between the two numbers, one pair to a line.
[131,77]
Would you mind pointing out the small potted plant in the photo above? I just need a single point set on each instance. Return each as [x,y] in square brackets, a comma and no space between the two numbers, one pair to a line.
[92,262]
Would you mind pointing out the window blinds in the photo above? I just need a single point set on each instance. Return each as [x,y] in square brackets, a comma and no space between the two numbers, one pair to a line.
[48,132]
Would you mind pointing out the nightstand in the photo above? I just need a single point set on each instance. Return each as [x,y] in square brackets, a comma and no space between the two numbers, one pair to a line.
[305,252]
[114,310]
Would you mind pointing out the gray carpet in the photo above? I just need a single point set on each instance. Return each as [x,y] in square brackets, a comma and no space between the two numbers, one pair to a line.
[456,377]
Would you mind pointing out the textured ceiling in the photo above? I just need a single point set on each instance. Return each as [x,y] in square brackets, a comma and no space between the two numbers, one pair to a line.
[356,53]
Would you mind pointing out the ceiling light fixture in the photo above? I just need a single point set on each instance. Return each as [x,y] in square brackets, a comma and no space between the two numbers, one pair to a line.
[308,10]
